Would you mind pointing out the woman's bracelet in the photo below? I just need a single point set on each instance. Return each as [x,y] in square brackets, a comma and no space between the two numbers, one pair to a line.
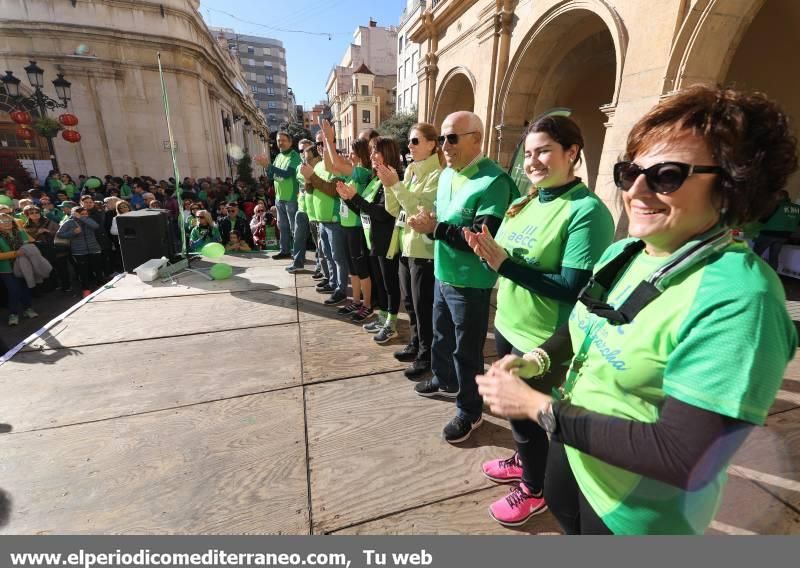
[542,358]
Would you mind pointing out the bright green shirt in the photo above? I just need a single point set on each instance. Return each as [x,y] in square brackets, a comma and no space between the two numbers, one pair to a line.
[360,178]
[6,265]
[418,189]
[719,338]
[301,194]
[286,187]
[570,231]
[480,189]
[326,208]
[69,189]
[125,191]
[784,220]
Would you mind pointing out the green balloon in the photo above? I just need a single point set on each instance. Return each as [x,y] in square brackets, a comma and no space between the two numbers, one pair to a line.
[92,183]
[221,271]
[6,200]
[213,250]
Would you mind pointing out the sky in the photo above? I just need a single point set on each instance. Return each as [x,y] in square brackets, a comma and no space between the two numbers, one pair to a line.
[309,55]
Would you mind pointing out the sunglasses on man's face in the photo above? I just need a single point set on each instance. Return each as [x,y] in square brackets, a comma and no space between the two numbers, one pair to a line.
[453,138]
[663,178]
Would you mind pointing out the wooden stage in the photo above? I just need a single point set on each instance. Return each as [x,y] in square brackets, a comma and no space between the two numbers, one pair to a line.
[246,406]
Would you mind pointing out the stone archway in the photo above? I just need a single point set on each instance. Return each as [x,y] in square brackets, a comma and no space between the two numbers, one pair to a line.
[456,93]
[570,58]
[739,44]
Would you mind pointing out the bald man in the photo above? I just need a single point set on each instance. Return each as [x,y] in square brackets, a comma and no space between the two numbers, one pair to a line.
[473,192]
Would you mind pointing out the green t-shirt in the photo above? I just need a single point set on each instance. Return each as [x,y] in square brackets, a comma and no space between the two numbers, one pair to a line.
[125,191]
[69,189]
[718,338]
[784,220]
[570,231]
[326,208]
[369,196]
[6,265]
[360,178]
[480,189]
[301,194]
[286,187]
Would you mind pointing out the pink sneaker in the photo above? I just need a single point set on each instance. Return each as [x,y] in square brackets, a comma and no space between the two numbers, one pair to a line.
[503,470]
[517,507]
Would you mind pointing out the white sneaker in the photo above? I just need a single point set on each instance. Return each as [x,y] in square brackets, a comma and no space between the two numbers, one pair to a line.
[13,319]
[374,326]
[29,313]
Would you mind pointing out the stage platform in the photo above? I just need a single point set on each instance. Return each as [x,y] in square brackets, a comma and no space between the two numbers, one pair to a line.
[247,406]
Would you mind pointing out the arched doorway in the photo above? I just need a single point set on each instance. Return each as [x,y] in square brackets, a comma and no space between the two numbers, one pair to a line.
[569,59]
[770,38]
[456,93]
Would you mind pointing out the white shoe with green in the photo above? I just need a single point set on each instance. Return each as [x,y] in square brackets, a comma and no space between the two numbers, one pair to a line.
[375,326]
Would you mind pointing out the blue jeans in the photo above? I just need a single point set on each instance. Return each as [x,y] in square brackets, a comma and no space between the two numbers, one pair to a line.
[335,249]
[301,231]
[19,295]
[460,323]
[286,212]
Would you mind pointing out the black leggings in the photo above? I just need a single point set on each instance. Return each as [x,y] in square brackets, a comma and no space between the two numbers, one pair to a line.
[386,283]
[416,285]
[357,251]
[88,265]
[565,499]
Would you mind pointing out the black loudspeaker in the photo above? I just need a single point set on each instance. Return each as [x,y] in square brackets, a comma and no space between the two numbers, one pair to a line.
[144,235]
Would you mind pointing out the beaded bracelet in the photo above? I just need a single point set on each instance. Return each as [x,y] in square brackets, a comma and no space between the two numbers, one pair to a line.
[542,358]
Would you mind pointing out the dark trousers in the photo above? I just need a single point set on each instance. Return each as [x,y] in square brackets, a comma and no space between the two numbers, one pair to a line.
[416,285]
[19,295]
[565,499]
[460,323]
[379,299]
[531,441]
[88,266]
[391,282]
[773,242]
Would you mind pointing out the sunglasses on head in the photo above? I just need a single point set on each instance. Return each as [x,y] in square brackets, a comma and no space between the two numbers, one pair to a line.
[453,138]
[664,177]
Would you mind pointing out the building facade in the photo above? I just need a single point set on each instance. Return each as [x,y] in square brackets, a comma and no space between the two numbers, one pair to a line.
[408,58]
[264,63]
[609,61]
[374,47]
[108,51]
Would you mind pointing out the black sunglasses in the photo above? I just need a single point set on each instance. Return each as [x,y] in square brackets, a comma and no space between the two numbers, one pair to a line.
[664,177]
[320,143]
[452,139]
[413,141]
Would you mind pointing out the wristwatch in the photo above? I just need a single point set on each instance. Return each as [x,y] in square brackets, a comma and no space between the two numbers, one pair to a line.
[547,419]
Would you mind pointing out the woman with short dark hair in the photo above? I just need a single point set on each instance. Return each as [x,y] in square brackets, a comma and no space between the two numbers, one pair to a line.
[679,343]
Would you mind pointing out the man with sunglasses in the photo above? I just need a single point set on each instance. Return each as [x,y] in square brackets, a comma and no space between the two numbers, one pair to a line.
[283,173]
[233,221]
[473,192]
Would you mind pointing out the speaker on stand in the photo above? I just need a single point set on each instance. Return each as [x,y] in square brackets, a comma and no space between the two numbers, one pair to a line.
[144,235]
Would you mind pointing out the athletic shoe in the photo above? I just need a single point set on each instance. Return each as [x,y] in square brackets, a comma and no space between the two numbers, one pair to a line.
[430,389]
[384,334]
[335,299]
[294,269]
[375,326]
[318,276]
[362,313]
[417,369]
[349,308]
[459,429]
[322,283]
[281,256]
[13,319]
[86,293]
[407,354]
[503,470]
[325,289]
[517,507]
[30,314]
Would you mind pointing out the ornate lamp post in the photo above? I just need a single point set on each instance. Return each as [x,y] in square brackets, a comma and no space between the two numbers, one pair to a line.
[39,100]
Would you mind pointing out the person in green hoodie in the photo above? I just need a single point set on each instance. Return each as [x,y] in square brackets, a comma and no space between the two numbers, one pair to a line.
[283,173]
[473,192]
[418,189]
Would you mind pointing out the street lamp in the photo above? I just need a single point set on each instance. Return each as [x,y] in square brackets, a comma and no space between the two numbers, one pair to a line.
[38,100]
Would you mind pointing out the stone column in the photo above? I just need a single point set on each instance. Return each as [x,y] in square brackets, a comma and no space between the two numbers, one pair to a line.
[506,141]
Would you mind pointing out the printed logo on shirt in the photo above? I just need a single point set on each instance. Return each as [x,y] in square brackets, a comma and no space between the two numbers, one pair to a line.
[468,212]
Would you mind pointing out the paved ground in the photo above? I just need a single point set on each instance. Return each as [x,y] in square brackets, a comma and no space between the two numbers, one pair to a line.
[246,406]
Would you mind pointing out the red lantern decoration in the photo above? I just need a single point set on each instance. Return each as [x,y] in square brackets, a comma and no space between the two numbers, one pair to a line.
[71,136]
[21,117]
[25,133]
[68,119]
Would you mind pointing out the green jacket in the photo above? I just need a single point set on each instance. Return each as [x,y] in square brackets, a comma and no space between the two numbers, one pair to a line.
[418,189]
